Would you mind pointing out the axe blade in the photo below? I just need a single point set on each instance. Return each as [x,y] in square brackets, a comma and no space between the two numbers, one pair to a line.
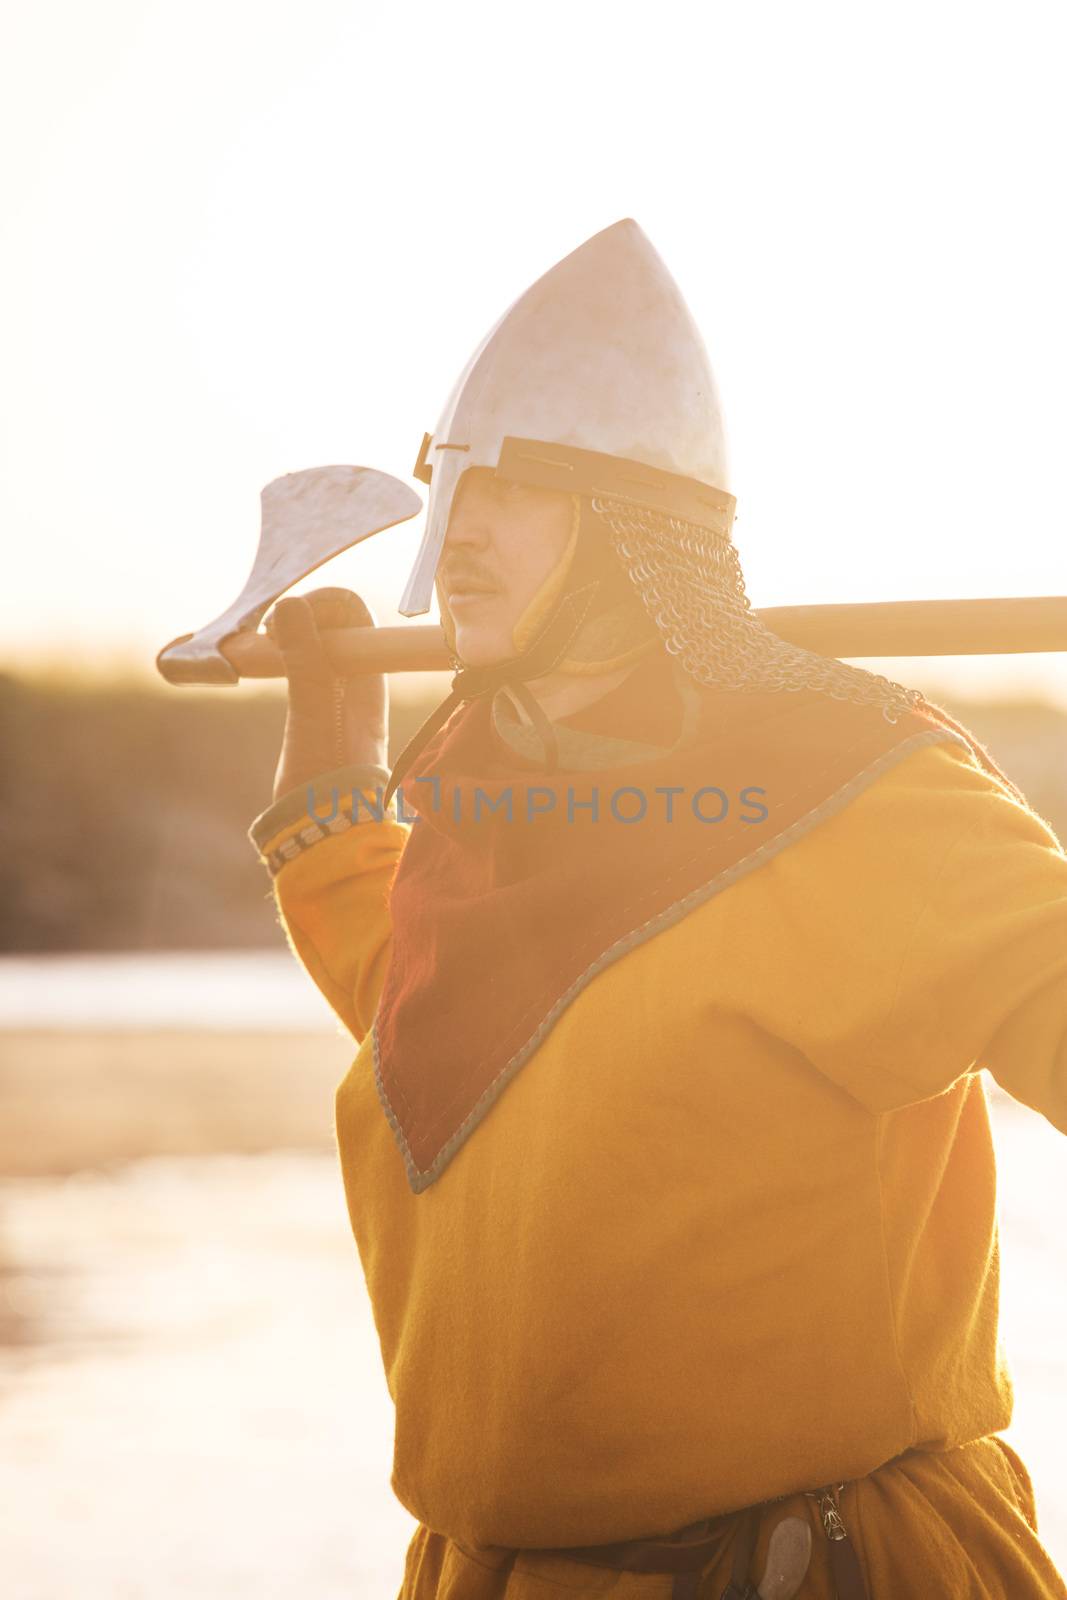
[306,517]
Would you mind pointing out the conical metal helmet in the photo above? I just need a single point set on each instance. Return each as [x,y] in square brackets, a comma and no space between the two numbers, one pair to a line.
[595,381]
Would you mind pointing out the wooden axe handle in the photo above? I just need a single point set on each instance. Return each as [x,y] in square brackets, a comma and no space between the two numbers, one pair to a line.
[875,628]
[420,648]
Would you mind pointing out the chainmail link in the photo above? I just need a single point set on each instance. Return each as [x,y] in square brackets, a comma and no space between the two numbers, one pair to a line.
[690,581]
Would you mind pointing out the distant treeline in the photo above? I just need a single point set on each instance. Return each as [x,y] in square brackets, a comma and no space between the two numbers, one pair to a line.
[125,810]
[125,813]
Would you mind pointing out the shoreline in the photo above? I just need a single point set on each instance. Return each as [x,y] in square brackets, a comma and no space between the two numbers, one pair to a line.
[82,1098]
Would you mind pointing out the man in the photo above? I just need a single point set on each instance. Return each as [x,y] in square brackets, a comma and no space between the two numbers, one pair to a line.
[665,1150]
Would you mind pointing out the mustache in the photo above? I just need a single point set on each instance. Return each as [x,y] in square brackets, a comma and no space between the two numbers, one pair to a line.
[462,577]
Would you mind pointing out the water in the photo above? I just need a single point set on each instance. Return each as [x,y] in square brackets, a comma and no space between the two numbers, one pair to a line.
[195,1405]
[218,989]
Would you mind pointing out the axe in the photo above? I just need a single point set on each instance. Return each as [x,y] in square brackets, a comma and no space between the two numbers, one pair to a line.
[307,517]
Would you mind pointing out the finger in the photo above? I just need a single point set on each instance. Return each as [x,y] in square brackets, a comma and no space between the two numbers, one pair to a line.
[294,631]
[340,608]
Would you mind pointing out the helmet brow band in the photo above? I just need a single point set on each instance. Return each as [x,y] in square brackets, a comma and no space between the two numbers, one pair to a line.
[553,465]
[545,461]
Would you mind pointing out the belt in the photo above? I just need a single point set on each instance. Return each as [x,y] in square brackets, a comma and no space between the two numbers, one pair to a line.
[687,1552]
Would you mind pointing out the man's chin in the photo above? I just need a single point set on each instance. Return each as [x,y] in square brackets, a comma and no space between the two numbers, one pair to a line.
[476,648]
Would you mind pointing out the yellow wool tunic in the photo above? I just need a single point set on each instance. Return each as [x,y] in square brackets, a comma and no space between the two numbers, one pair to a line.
[730,1234]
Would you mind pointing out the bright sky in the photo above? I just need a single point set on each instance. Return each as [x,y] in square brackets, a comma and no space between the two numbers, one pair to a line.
[241,238]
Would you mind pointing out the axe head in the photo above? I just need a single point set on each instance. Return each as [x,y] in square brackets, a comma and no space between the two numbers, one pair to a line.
[307,517]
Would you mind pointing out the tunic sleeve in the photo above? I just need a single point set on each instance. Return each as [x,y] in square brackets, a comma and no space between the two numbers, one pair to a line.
[921,934]
[331,877]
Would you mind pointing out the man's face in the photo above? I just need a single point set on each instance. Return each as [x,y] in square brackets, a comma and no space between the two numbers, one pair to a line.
[503,540]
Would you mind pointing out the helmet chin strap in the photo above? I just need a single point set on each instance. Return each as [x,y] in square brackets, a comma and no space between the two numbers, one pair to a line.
[548,648]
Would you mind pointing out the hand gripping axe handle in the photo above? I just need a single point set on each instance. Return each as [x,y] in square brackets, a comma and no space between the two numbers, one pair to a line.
[307,517]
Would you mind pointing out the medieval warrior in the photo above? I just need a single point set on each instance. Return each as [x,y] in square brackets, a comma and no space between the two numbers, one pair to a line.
[674,952]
